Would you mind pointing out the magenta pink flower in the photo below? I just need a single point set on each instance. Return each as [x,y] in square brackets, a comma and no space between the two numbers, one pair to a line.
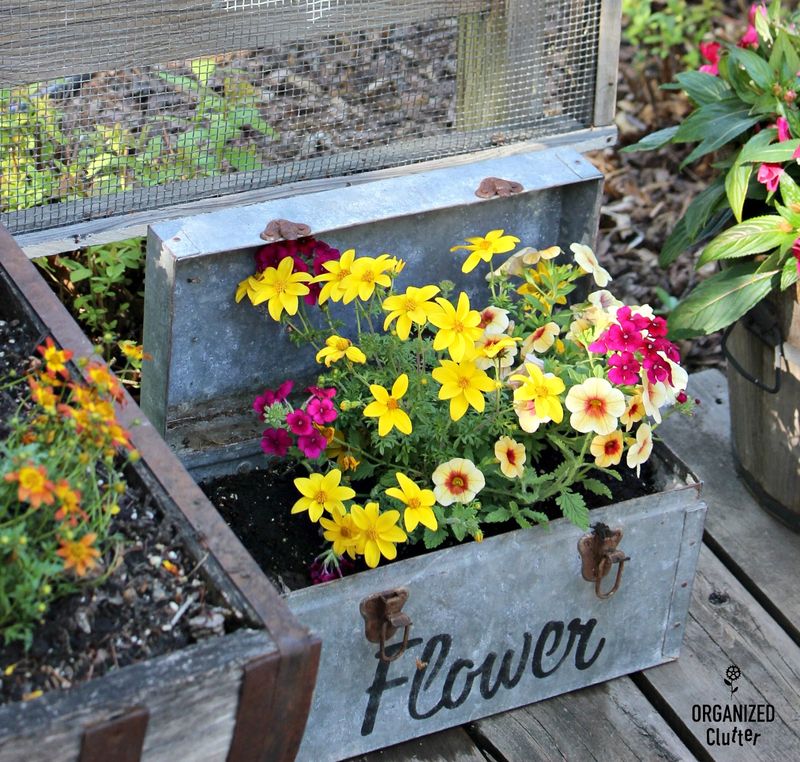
[783,129]
[321,411]
[770,175]
[276,442]
[658,369]
[624,368]
[796,253]
[750,37]
[300,422]
[710,51]
[681,397]
[270,397]
[319,574]
[322,393]
[313,444]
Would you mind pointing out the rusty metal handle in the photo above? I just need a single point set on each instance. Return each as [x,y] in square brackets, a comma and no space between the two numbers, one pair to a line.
[599,552]
[603,569]
[403,645]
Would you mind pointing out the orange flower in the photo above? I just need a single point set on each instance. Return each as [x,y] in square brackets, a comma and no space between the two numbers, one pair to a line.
[34,486]
[43,396]
[80,555]
[69,501]
[104,380]
[54,359]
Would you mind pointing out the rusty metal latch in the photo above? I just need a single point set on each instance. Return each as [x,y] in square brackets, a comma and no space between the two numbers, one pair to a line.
[383,617]
[497,186]
[599,553]
[284,229]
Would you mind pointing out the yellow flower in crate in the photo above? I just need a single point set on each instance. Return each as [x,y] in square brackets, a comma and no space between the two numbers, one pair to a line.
[33,486]
[484,248]
[418,502]
[542,389]
[459,327]
[377,533]
[607,449]
[495,345]
[412,307]
[278,287]
[336,348]
[386,407]
[585,259]
[511,455]
[322,492]
[336,270]
[462,384]
[634,412]
[457,481]
[595,406]
[342,532]
[640,450]
[365,274]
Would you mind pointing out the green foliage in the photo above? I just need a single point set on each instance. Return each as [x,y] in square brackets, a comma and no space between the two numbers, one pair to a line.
[667,29]
[736,116]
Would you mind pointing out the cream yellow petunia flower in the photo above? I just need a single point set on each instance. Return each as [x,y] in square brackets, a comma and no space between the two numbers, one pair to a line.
[640,450]
[585,259]
[457,481]
[595,406]
[511,456]
[386,407]
[607,449]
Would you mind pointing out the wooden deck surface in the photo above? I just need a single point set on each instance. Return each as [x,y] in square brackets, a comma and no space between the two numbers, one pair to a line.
[745,611]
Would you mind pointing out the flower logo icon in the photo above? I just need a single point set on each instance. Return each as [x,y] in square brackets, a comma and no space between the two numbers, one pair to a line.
[732,674]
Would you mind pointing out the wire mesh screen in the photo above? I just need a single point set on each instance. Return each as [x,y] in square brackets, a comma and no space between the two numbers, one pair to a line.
[111,107]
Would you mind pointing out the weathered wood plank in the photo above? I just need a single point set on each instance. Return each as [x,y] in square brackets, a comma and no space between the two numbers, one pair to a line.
[197,687]
[54,38]
[605,97]
[612,721]
[751,541]
[447,746]
[728,627]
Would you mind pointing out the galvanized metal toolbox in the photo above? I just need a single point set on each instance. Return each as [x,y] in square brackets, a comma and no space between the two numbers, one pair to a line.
[249,691]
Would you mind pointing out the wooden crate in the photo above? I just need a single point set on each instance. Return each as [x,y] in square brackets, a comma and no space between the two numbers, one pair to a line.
[236,689]
[499,624]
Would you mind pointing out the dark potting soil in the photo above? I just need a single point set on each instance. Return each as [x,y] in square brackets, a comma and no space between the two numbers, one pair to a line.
[144,608]
[256,505]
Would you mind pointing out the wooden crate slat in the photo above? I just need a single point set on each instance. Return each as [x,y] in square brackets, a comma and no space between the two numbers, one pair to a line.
[612,721]
[727,626]
[736,525]
[449,745]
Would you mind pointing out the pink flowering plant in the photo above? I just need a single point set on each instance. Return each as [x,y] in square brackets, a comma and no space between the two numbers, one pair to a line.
[437,417]
[746,114]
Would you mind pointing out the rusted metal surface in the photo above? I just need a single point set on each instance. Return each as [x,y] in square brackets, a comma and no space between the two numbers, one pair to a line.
[284,229]
[298,648]
[383,616]
[599,553]
[119,739]
[495,186]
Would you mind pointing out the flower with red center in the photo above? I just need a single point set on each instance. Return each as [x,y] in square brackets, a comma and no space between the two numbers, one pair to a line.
[607,449]
[80,555]
[595,406]
[270,397]
[710,51]
[55,359]
[276,442]
[321,411]
[770,175]
[634,412]
[457,481]
[640,450]
[541,339]
[33,486]
[300,422]
[312,445]
[511,456]
[494,320]
[623,368]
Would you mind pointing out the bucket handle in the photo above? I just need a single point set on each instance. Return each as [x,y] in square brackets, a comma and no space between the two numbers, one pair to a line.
[762,322]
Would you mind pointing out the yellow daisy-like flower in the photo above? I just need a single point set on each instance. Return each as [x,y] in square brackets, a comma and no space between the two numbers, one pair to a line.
[511,455]
[419,503]
[377,533]
[386,407]
[337,347]
[365,274]
[640,450]
[543,389]
[459,327]
[457,481]
[484,248]
[322,492]
[595,406]
[279,287]
[412,307]
[336,270]
[541,339]
[585,259]
[634,412]
[607,449]
[462,384]
[342,532]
